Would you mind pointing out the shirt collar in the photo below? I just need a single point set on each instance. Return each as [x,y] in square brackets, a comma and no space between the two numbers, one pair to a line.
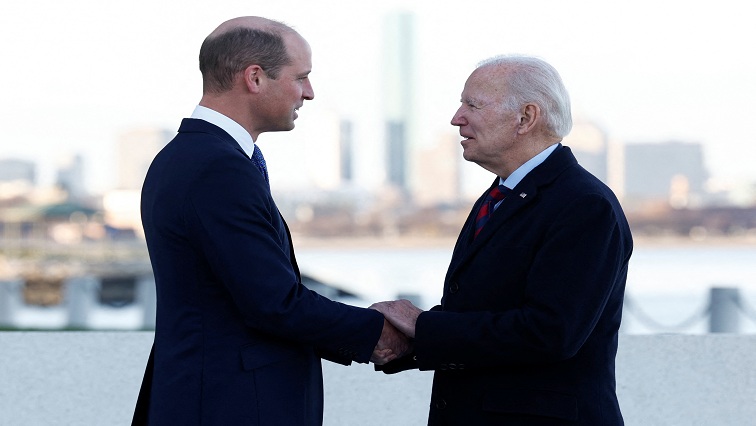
[241,136]
[522,171]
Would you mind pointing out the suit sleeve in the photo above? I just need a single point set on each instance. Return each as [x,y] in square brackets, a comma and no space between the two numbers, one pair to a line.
[572,275]
[243,240]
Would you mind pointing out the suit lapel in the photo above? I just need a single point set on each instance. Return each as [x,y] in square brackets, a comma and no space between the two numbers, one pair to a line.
[192,125]
[504,213]
[465,238]
[522,195]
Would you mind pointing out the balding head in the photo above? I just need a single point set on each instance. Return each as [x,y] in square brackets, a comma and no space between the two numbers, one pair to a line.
[239,43]
[251,22]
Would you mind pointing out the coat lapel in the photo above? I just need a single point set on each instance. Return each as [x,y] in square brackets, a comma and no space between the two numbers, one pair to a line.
[522,195]
[465,238]
[504,213]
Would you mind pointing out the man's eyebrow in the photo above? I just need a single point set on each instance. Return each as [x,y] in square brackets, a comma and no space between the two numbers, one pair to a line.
[470,100]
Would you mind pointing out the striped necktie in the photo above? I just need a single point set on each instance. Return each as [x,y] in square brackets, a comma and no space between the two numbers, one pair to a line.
[489,204]
[259,160]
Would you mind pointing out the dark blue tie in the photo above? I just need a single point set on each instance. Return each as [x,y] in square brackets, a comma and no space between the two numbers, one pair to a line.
[259,161]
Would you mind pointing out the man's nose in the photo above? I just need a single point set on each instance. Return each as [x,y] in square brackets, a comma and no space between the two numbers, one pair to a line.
[458,119]
[308,92]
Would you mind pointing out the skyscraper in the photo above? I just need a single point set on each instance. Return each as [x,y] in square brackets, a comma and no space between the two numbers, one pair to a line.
[603,157]
[17,170]
[70,177]
[589,144]
[346,151]
[136,149]
[672,172]
[398,89]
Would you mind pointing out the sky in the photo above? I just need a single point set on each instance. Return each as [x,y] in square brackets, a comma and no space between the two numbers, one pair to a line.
[77,74]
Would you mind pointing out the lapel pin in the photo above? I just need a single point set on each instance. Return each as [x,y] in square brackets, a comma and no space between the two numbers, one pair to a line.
[523,195]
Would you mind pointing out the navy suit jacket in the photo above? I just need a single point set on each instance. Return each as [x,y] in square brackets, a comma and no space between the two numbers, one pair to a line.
[526,333]
[238,338]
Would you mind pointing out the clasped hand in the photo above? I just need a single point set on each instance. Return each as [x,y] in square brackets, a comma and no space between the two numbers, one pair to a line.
[398,330]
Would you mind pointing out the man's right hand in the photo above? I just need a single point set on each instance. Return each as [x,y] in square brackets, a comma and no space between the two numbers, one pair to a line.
[391,345]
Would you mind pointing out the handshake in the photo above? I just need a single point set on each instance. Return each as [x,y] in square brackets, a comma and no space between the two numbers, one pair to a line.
[398,332]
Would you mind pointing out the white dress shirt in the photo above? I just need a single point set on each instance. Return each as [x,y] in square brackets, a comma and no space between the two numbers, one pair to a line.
[241,136]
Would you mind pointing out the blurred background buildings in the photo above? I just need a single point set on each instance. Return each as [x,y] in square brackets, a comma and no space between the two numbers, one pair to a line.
[421,187]
[424,188]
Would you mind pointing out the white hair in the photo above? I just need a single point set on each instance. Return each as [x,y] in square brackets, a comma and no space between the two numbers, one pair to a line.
[530,79]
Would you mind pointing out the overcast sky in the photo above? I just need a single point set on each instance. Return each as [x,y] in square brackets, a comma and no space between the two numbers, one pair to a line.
[76,74]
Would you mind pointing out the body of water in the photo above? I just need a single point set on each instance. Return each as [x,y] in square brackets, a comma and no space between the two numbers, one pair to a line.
[668,286]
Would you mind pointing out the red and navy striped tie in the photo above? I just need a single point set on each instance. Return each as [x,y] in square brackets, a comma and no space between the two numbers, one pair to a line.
[486,209]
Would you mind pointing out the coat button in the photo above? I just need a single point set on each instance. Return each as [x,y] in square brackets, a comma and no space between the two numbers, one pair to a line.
[440,404]
[454,287]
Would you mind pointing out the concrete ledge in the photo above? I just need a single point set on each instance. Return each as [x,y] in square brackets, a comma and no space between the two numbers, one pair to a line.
[687,380]
[93,378]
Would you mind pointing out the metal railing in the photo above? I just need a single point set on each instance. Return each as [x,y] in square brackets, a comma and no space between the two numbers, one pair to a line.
[128,302]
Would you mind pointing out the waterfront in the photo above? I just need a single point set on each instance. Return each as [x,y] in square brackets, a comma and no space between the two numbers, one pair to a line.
[668,287]
[668,282]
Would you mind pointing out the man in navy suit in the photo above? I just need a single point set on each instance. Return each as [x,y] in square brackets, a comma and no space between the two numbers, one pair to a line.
[238,338]
[526,332]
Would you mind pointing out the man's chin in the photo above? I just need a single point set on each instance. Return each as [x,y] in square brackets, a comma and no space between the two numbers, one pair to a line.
[468,156]
[283,128]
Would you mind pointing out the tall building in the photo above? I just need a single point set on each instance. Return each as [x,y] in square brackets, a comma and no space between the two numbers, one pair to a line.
[441,164]
[12,170]
[589,144]
[346,151]
[136,149]
[70,177]
[398,71]
[672,172]
[17,178]
[603,157]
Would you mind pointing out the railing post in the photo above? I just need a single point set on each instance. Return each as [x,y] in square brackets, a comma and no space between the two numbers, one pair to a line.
[147,299]
[724,316]
[81,298]
[10,300]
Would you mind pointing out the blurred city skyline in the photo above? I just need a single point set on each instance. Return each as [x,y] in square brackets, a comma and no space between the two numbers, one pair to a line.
[82,74]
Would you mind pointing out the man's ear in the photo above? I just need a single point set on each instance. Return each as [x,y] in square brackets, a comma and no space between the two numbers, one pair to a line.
[253,78]
[529,115]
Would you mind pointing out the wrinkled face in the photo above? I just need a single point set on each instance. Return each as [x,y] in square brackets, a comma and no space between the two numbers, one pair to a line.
[489,130]
[286,94]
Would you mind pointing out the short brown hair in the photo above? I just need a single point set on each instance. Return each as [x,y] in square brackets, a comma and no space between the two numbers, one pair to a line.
[224,55]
